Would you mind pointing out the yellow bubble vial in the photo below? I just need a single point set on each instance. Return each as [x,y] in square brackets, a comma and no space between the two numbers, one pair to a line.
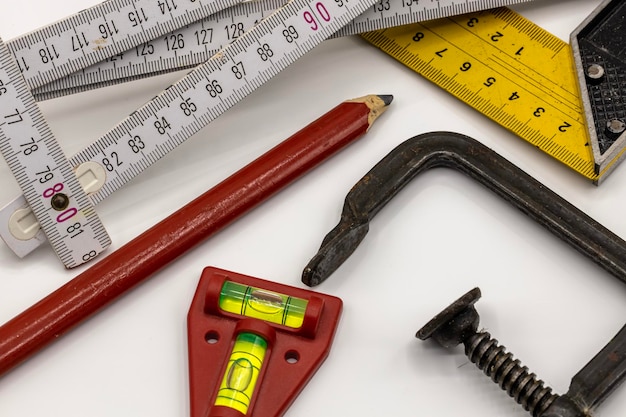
[262,304]
[242,372]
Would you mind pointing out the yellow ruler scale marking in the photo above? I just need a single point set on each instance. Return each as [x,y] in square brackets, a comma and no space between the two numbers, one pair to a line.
[507,68]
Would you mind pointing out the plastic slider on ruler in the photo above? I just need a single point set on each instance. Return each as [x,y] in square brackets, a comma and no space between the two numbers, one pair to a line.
[184,108]
[52,190]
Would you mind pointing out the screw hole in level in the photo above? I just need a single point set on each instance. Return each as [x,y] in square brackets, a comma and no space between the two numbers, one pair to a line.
[292,356]
[212,337]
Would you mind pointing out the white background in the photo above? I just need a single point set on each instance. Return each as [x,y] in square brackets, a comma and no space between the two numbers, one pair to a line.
[443,235]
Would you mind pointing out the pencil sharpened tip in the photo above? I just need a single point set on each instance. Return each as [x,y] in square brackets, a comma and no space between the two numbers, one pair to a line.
[387,98]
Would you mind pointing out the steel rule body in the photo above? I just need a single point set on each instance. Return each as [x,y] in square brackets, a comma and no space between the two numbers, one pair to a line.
[509,69]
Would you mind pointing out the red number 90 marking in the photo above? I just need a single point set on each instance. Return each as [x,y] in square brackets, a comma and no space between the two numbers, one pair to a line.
[322,12]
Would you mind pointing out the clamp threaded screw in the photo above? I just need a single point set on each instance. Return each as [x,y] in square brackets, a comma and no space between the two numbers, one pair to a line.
[508,373]
[458,324]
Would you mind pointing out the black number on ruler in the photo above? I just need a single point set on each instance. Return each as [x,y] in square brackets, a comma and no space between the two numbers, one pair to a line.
[21,63]
[79,42]
[238,70]
[88,256]
[382,5]
[162,125]
[175,42]
[108,29]
[234,30]
[45,176]
[167,6]
[48,54]
[188,107]
[74,230]
[409,3]
[440,53]
[472,22]
[214,88]
[144,49]
[290,34]
[496,37]
[539,112]
[418,36]
[109,163]
[3,89]
[341,3]
[466,66]
[138,17]
[514,96]
[489,82]
[117,57]
[13,117]
[29,147]
[265,52]
[204,36]
[136,144]
[563,128]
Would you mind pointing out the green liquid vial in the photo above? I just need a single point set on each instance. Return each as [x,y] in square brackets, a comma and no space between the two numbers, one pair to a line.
[262,304]
[242,372]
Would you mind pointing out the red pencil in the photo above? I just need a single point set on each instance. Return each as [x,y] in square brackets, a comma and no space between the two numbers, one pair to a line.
[136,261]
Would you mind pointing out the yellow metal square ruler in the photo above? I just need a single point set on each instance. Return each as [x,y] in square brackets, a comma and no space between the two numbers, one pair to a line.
[528,80]
[233,50]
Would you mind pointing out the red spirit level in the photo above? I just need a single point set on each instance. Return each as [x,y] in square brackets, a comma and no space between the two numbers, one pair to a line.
[254,344]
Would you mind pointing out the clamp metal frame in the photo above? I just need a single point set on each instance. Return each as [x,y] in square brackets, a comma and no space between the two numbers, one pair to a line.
[462,153]
[596,380]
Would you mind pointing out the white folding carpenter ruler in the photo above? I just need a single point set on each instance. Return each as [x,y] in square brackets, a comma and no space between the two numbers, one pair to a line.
[239,49]
[57,199]
[195,43]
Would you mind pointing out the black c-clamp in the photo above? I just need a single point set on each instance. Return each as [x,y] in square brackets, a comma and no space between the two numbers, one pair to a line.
[607,369]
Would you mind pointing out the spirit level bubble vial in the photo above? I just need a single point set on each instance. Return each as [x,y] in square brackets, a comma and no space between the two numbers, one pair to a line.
[254,344]
[242,372]
[262,304]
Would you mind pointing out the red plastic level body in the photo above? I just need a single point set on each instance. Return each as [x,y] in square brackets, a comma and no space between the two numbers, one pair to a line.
[292,356]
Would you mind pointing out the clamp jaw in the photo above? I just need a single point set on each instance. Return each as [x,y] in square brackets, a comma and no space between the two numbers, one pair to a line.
[462,153]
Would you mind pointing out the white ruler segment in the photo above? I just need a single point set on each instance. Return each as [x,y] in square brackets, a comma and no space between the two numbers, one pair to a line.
[184,108]
[193,44]
[45,176]
[100,32]
[248,59]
